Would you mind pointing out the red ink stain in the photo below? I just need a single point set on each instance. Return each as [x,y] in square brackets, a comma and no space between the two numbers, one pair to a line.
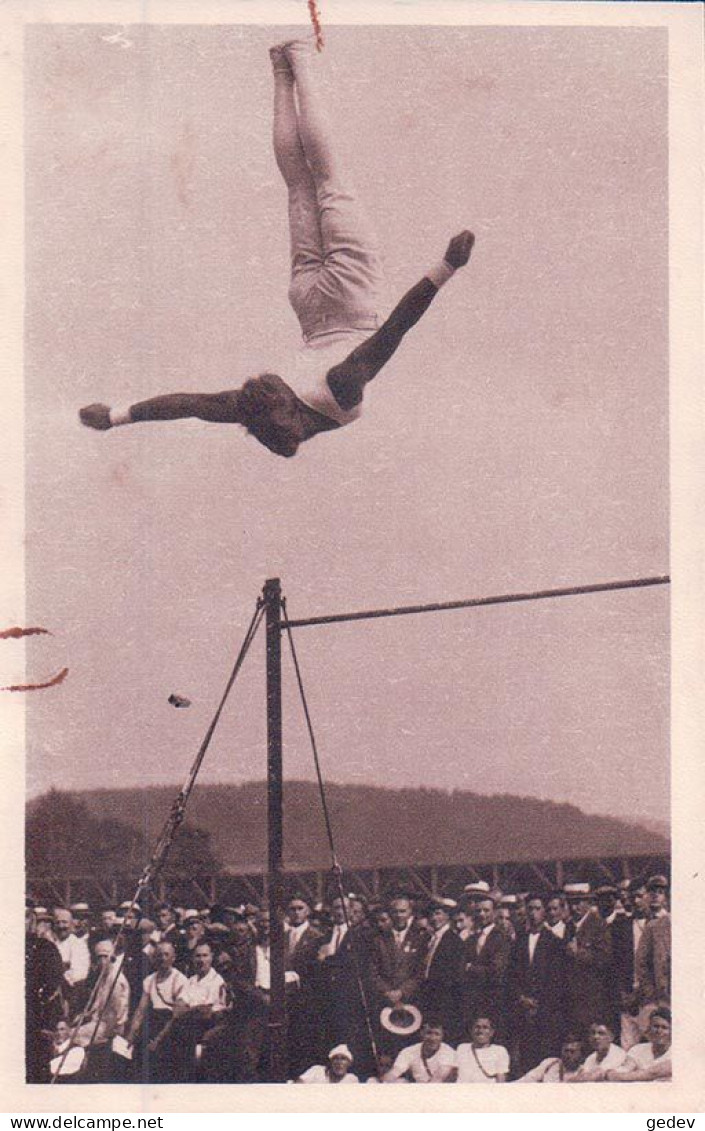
[182,163]
[58,678]
[15,633]
[316,21]
[120,473]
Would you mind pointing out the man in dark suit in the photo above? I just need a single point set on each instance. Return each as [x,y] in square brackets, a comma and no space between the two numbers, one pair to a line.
[344,976]
[653,957]
[487,954]
[44,1003]
[302,943]
[443,971]
[589,961]
[536,990]
[626,931]
[397,959]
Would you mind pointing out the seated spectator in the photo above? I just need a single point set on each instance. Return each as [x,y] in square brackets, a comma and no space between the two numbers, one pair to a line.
[650,1061]
[561,1069]
[385,1063]
[66,1064]
[335,1072]
[109,1008]
[430,1062]
[606,1054]
[481,1061]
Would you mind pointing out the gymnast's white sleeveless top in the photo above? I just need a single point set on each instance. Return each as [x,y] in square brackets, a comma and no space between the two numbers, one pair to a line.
[307,377]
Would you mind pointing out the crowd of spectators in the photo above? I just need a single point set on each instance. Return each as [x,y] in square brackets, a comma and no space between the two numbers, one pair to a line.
[568,986]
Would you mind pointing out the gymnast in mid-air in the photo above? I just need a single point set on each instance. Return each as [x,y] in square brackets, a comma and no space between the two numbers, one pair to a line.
[336,291]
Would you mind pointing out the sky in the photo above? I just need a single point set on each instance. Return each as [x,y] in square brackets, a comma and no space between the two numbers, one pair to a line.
[518,440]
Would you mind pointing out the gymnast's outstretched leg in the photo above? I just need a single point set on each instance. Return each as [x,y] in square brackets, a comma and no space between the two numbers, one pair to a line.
[348,291]
[304,229]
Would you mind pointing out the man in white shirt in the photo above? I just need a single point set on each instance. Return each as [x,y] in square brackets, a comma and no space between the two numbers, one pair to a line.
[650,1060]
[67,1060]
[75,955]
[561,1069]
[606,1055]
[558,916]
[110,1005]
[205,991]
[263,965]
[480,1061]
[430,1062]
[198,1009]
[337,1071]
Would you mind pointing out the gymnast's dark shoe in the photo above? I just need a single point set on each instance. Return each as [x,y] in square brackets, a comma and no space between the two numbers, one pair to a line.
[96,416]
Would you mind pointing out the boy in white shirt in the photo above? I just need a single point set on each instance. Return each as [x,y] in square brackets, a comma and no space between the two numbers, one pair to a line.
[650,1061]
[430,1062]
[480,1061]
[606,1056]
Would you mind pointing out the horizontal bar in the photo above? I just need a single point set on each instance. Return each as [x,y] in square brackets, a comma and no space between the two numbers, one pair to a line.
[476,602]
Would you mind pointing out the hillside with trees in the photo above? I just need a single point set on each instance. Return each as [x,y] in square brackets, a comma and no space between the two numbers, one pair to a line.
[374,827]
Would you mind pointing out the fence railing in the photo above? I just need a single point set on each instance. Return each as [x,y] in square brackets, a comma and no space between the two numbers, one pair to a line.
[232,888]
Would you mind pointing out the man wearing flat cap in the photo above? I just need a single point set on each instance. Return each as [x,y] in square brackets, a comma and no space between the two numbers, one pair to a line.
[653,956]
[657,889]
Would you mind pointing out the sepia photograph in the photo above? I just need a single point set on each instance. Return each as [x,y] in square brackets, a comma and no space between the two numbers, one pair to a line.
[344,637]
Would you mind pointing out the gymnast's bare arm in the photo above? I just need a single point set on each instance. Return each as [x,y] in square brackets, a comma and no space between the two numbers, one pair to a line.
[348,379]
[218,408]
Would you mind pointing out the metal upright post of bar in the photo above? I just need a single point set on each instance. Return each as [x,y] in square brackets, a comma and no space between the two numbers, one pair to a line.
[278,1061]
